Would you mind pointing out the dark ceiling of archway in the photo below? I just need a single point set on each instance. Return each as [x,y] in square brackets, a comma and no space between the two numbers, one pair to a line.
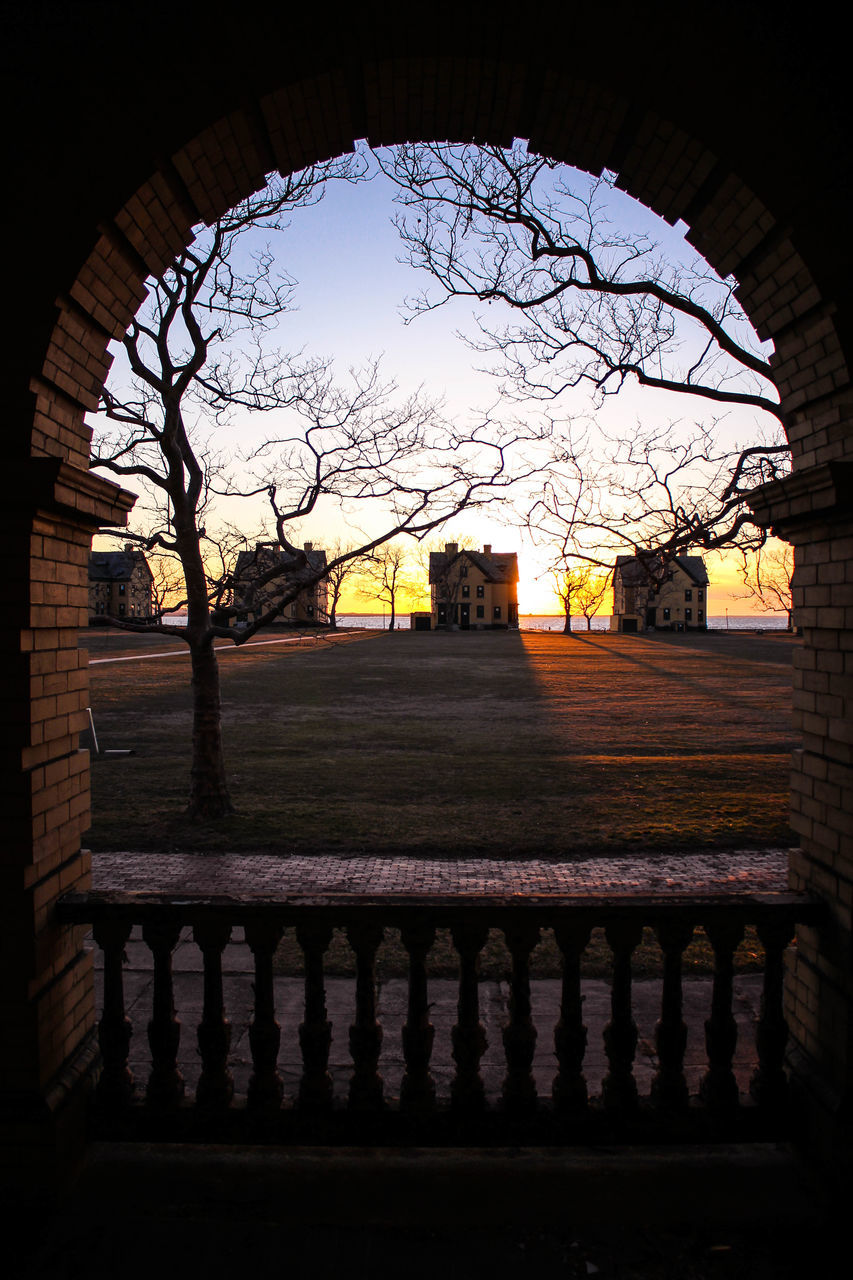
[102,92]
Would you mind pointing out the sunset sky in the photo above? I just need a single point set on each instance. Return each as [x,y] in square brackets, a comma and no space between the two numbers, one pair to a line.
[343,254]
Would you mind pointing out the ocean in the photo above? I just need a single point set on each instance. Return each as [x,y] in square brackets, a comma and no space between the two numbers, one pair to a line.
[552,622]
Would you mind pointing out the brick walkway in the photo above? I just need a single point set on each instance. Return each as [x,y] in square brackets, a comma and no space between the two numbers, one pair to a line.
[739,871]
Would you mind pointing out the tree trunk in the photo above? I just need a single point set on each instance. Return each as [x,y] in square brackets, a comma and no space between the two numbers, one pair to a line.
[589,622]
[567,625]
[209,798]
[393,616]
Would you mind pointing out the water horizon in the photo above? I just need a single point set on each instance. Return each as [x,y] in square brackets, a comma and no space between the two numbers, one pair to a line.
[555,621]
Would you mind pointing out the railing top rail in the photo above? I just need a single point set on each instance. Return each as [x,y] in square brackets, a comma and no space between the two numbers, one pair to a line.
[87,908]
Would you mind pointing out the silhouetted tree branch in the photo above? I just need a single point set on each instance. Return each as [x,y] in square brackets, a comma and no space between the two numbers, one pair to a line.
[385,577]
[579,589]
[766,574]
[196,354]
[598,308]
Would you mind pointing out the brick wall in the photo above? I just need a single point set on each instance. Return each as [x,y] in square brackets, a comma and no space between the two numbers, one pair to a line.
[47,976]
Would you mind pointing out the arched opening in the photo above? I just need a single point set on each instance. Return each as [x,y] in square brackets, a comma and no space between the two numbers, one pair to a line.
[316,115]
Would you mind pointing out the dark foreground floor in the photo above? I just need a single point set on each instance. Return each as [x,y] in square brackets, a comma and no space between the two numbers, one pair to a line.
[142,1248]
[713,1214]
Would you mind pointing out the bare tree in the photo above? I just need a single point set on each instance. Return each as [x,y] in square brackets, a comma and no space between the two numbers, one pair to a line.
[166,586]
[598,309]
[385,578]
[657,492]
[580,590]
[766,575]
[196,354]
[564,590]
[343,571]
[590,595]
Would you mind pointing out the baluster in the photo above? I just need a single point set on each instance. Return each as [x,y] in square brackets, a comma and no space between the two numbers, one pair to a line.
[115,1086]
[469,1035]
[365,1034]
[266,1087]
[669,1087]
[569,1089]
[769,1084]
[216,1084]
[519,1036]
[165,1083]
[417,1090]
[719,1088]
[619,1088]
[315,1032]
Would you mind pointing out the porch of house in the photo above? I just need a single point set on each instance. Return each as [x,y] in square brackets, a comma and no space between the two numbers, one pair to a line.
[579,1125]
[448,1122]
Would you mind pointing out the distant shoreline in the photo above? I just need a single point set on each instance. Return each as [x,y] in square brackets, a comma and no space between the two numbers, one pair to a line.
[554,621]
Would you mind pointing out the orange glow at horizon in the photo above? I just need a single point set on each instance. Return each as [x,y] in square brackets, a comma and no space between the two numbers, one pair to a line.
[536,595]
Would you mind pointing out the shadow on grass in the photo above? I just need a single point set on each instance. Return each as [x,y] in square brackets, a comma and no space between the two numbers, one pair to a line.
[493,744]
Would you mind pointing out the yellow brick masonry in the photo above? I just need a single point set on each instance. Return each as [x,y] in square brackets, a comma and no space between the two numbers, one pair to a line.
[47,976]
[813,509]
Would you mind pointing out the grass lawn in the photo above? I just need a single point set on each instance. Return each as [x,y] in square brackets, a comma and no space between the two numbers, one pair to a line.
[495,743]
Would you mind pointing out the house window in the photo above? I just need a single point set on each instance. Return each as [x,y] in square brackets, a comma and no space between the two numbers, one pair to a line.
[700,596]
[121,588]
[688,595]
[666,615]
[688,615]
[463,571]
[466,591]
[700,616]
[309,609]
[497,611]
[481,591]
[121,609]
[481,611]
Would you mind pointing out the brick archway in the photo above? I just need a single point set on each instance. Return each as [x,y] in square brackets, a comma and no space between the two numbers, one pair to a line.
[784,286]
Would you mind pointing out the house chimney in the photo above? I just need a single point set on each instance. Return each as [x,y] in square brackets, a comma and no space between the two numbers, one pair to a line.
[128,546]
[487,548]
[309,546]
[451,548]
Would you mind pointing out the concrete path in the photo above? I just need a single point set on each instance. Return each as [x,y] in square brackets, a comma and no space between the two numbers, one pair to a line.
[747,872]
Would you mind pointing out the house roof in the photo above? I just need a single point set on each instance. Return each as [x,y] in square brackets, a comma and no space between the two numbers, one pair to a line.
[116,566]
[497,567]
[261,559]
[634,572]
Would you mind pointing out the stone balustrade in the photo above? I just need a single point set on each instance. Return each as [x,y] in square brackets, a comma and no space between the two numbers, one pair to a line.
[162,1106]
